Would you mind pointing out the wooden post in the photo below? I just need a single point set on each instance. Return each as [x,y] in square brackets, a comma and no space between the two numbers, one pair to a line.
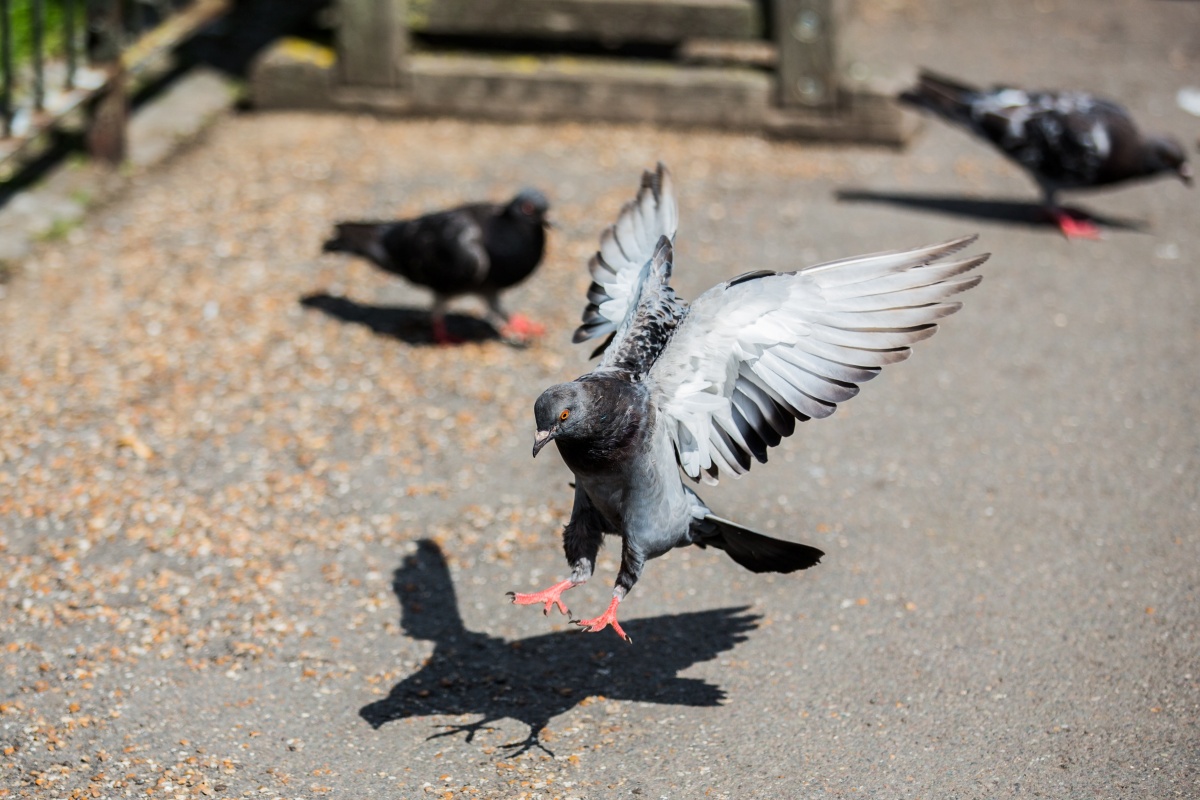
[805,31]
[106,132]
[372,42]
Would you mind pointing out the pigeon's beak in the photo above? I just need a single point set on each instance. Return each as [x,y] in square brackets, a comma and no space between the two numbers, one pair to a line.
[540,440]
[1185,173]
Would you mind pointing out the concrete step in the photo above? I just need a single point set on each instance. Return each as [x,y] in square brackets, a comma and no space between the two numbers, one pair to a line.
[610,21]
[529,88]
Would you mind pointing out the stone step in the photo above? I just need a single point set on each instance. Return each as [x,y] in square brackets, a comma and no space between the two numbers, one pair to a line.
[527,88]
[609,21]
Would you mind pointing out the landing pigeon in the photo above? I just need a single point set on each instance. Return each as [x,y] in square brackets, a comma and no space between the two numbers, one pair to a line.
[1065,140]
[480,248]
[712,384]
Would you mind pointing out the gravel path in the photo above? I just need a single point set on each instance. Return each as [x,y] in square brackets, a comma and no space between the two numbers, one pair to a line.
[254,547]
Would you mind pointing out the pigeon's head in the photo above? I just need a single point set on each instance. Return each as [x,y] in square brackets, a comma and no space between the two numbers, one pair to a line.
[561,411]
[1166,154]
[530,204]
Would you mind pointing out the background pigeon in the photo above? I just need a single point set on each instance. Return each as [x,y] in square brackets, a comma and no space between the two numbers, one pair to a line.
[1065,140]
[480,248]
[715,383]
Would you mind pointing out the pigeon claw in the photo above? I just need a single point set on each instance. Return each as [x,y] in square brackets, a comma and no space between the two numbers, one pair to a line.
[521,330]
[551,597]
[609,617]
[1073,225]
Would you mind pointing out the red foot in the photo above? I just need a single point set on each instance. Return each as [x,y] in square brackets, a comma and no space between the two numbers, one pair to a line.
[521,327]
[551,597]
[1074,226]
[609,617]
[443,336]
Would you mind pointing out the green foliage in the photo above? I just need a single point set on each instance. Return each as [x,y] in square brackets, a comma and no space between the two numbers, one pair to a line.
[20,13]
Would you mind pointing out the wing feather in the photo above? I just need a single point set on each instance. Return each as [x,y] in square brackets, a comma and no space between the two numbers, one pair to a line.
[625,248]
[753,356]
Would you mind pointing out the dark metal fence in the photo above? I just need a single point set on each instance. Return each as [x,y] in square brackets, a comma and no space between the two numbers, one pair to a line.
[63,56]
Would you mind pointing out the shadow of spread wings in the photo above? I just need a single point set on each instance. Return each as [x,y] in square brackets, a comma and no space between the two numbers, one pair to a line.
[534,680]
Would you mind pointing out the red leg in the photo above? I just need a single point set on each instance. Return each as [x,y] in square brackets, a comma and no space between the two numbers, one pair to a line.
[440,334]
[1074,226]
[521,327]
[609,617]
[551,597]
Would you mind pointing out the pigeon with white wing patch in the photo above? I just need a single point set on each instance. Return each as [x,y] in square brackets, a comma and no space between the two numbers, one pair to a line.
[712,385]
[1064,140]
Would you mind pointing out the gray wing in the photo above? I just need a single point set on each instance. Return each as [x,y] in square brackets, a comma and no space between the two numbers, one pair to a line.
[653,315]
[625,248]
[757,353]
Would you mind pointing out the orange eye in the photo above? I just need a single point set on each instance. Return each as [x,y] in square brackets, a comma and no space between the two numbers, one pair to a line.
[564,414]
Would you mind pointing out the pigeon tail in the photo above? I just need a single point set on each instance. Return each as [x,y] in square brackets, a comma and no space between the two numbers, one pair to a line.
[753,550]
[942,96]
[359,238]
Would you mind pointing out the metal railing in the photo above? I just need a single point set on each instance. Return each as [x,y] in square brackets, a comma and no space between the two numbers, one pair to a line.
[62,56]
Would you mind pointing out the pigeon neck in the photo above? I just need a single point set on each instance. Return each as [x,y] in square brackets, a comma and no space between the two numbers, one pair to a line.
[1161,154]
[618,418]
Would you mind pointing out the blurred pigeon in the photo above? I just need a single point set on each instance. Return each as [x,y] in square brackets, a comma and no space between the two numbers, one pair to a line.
[715,383]
[480,248]
[1065,140]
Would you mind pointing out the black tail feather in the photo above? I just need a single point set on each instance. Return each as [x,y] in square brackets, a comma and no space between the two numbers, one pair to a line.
[360,238]
[942,96]
[753,550]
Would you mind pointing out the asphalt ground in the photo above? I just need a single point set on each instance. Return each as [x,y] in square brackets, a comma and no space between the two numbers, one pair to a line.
[258,546]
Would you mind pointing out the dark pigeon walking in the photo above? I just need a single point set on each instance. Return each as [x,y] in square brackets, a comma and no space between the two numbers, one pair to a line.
[480,249]
[1065,140]
[712,384]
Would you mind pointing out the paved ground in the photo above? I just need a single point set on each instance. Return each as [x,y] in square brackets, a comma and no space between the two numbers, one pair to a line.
[255,547]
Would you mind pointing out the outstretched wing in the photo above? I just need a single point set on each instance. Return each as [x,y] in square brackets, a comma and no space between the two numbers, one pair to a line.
[654,314]
[625,248]
[765,349]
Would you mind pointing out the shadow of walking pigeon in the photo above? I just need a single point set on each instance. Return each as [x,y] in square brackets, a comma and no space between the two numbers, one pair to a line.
[1013,211]
[534,680]
[411,325]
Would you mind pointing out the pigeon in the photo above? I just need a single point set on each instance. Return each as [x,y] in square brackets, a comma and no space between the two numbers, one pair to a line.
[1065,140]
[708,386]
[479,248]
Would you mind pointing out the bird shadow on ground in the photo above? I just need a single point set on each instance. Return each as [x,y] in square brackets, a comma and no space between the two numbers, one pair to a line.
[411,325]
[1013,211]
[534,680]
